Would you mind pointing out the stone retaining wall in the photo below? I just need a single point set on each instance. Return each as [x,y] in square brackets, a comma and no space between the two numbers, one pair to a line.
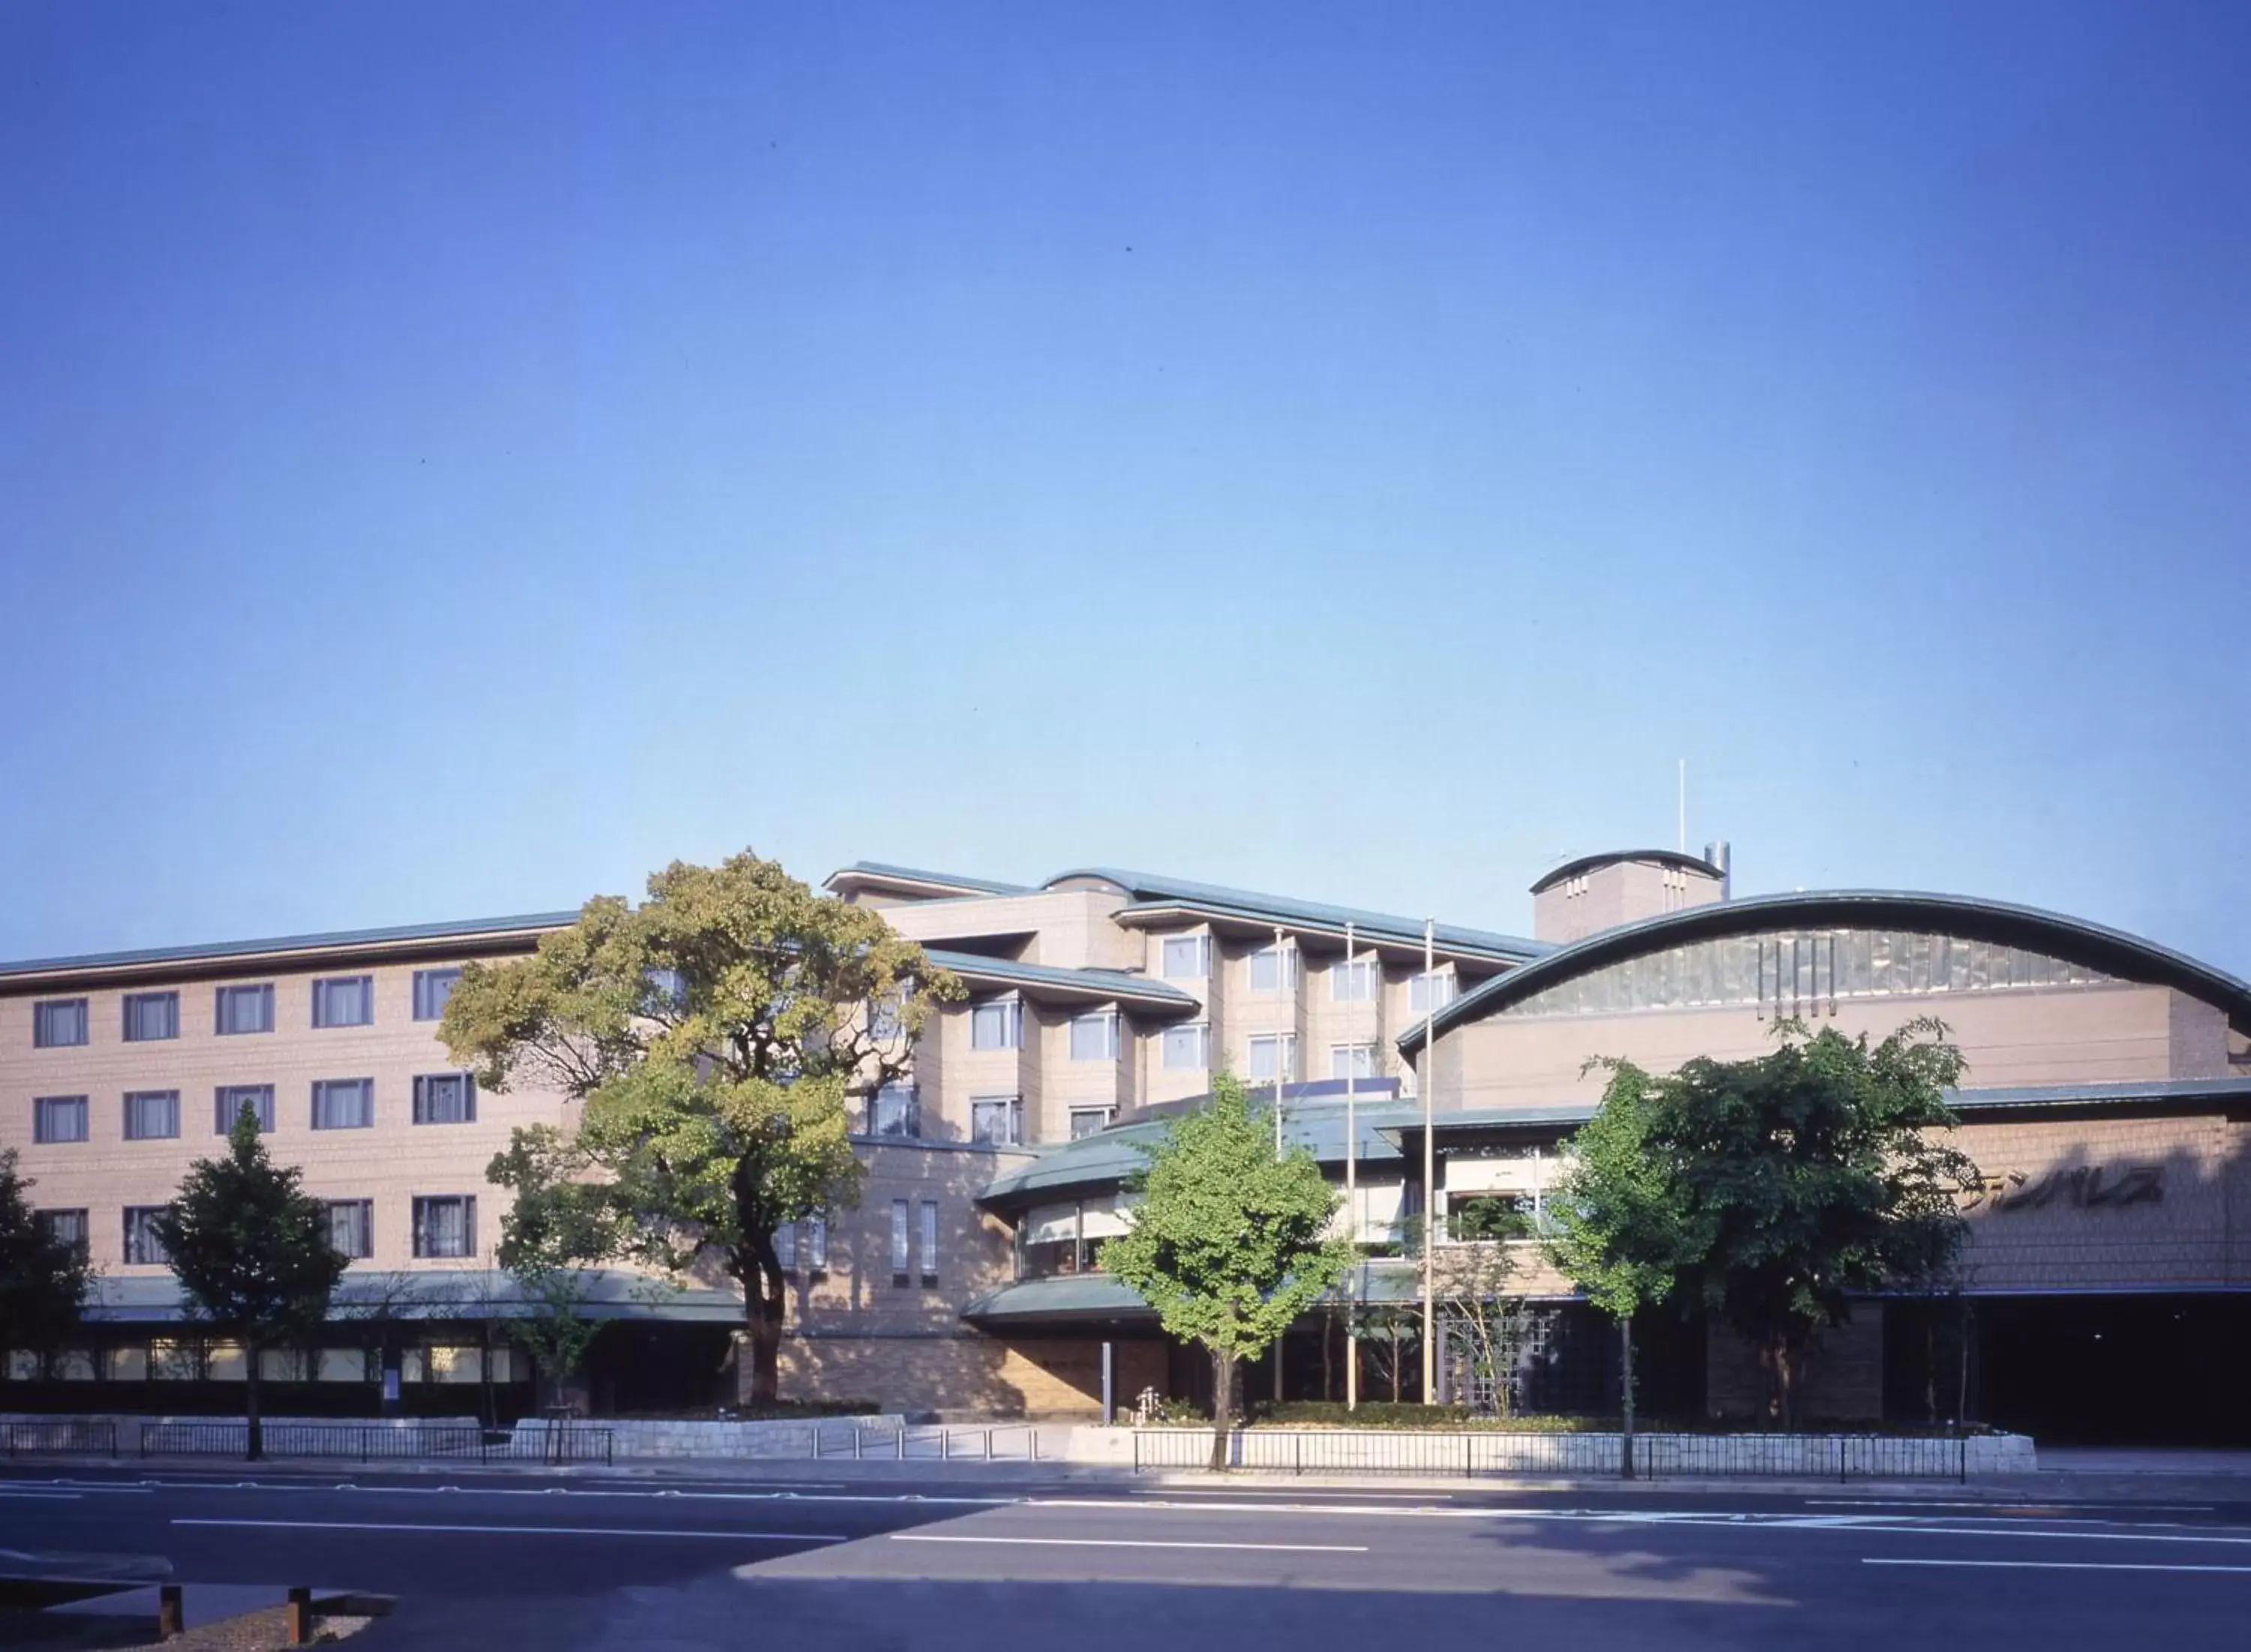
[774,1438]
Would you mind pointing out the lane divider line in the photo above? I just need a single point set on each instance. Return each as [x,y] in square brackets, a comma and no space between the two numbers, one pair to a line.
[1130,1542]
[517,1531]
[2059,1565]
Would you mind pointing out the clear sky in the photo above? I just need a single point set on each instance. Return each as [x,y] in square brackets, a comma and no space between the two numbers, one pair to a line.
[454,459]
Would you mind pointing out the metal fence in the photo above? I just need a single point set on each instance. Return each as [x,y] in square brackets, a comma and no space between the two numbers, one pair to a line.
[60,1436]
[370,1442]
[1467,1454]
[997,1443]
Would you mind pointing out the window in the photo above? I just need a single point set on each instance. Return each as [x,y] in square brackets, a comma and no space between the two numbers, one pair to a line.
[1189,1046]
[244,1009]
[1274,969]
[997,1026]
[996,1121]
[900,1277]
[1186,958]
[142,1247]
[884,1022]
[231,1099]
[445,1226]
[1264,1050]
[1087,1120]
[150,1016]
[58,1118]
[929,1244]
[344,1103]
[784,1244]
[351,1227]
[1426,992]
[344,1000]
[65,1227]
[668,991]
[151,1116]
[816,1244]
[432,989]
[1094,1038]
[445,1098]
[1352,1060]
[57,1022]
[895,1109]
[1355,983]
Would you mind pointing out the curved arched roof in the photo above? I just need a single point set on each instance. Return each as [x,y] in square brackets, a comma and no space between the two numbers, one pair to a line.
[1653,857]
[2112,951]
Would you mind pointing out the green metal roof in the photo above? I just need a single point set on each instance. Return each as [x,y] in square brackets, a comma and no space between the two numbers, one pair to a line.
[1097,1296]
[328,941]
[2113,952]
[937,879]
[1152,893]
[434,1293]
[1097,984]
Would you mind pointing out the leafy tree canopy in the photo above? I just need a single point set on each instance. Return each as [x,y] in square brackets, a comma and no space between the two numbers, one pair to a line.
[715,1033]
[43,1279]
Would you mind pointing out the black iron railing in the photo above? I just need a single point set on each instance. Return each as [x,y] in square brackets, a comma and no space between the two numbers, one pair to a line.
[371,1442]
[58,1436]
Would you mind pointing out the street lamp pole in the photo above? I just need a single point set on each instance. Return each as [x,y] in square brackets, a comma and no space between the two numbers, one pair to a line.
[1351,1194]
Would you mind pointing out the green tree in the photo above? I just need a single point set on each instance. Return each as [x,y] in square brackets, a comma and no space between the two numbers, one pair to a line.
[716,1033]
[43,1279]
[251,1250]
[1228,1240]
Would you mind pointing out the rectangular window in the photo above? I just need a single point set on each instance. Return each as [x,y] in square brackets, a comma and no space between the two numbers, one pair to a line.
[884,1022]
[445,1098]
[445,1226]
[151,1116]
[1428,992]
[344,1103]
[1094,1038]
[899,1258]
[142,1247]
[244,1009]
[929,1244]
[150,1016]
[231,1099]
[996,1121]
[1264,1050]
[895,1109]
[57,1022]
[1274,970]
[344,1000]
[784,1243]
[432,989]
[1087,1120]
[58,1118]
[997,1026]
[67,1227]
[351,1227]
[1352,1060]
[1188,1046]
[1186,958]
[1355,983]
[816,1244]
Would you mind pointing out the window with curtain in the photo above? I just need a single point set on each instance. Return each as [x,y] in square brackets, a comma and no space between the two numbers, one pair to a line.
[1352,1060]
[1089,1121]
[1186,958]
[1356,982]
[445,1226]
[151,1116]
[344,1103]
[784,1244]
[445,1098]
[899,1258]
[142,1247]
[244,1009]
[1274,969]
[432,989]
[231,1099]
[58,1118]
[344,1000]
[150,1016]
[1189,1046]
[996,1121]
[1094,1038]
[929,1244]
[997,1026]
[816,1244]
[1274,1052]
[57,1022]
[1427,992]
[67,1227]
[351,1227]
[895,1111]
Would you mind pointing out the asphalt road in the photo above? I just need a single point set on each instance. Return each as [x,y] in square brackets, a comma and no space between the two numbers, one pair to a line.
[525,1562]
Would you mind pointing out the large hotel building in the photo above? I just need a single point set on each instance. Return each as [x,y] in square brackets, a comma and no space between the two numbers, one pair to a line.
[2103,1292]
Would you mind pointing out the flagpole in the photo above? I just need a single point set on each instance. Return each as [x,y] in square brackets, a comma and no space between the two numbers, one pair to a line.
[1281,1044]
[1351,1194]
[1429,1162]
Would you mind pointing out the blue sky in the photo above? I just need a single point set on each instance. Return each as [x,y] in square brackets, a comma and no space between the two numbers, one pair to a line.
[455,459]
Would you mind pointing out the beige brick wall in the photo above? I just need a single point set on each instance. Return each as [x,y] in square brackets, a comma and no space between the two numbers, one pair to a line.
[969,1373]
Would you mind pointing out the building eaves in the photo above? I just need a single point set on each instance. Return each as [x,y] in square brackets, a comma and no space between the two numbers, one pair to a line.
[1653,857]
[1087,984]
[879,871]
[2113,952]
[434,1293]
[96,964]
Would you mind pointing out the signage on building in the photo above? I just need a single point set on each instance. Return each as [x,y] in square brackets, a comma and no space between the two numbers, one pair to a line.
[2082,1187]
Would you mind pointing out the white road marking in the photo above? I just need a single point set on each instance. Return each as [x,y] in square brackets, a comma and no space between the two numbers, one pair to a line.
[2057,1565]
[41,1497]
[1906,1506]
[507,1531]
[1132,1543]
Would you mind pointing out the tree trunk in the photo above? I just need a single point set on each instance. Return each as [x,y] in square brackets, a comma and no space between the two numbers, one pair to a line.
[253,1434]
[1223,1406]
[1625,1396]
[1785,1385]
[1394,1362]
